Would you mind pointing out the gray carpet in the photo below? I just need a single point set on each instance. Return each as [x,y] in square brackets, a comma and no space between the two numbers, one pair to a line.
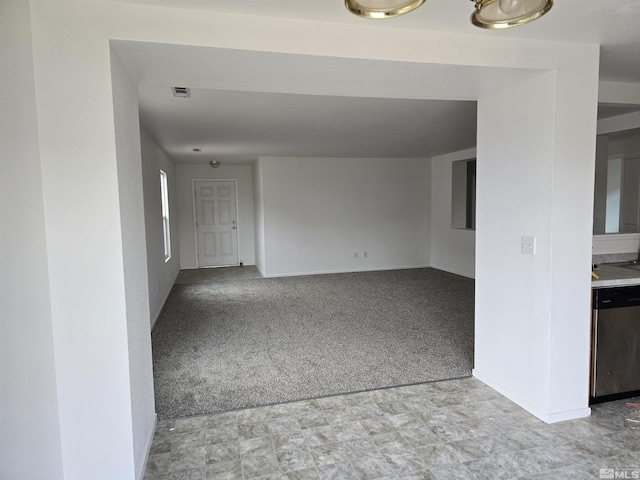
[228,339]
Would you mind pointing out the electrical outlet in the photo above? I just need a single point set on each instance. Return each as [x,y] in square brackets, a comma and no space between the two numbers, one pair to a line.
[355,254]
[528,245]
[364,254]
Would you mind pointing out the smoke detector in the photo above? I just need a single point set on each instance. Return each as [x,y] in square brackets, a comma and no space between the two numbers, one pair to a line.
[181,92]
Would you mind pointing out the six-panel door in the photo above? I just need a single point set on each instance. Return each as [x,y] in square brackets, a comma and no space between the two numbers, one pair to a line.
[216,223]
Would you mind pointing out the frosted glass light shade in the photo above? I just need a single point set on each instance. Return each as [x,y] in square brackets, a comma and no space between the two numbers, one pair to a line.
[496,14]
[381,8]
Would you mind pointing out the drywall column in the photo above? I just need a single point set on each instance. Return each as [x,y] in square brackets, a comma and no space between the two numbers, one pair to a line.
[30,446]
[536,154]
[575,122]
[85,241]
[134,249]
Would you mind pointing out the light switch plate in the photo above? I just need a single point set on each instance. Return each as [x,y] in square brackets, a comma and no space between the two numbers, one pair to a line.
[528,245]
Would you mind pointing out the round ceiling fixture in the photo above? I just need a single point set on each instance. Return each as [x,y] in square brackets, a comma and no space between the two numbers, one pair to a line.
[497,14]
[381,8]
[214,163]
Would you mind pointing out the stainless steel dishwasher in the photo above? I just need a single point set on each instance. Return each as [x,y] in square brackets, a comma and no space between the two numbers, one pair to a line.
[615,342]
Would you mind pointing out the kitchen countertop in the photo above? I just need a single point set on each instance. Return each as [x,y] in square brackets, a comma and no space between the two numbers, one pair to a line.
[614,275]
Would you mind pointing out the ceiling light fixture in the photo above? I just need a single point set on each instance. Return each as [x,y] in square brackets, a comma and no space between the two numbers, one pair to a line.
[214,163]
[382,8]
[497,14]
[491,14]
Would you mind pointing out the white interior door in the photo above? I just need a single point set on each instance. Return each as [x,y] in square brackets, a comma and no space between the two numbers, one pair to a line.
[216,222]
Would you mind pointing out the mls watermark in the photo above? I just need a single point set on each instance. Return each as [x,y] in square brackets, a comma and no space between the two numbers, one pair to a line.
[619,473]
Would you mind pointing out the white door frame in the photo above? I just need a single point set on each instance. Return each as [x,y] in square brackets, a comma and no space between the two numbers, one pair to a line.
[195,218]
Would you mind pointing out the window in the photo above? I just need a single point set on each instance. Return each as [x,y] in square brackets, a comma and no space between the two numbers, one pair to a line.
[164,193]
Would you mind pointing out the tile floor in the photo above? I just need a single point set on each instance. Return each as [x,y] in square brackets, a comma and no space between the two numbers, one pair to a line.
[458,429]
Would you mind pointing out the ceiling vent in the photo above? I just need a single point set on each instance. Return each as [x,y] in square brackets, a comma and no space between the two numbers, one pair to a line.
[182,92]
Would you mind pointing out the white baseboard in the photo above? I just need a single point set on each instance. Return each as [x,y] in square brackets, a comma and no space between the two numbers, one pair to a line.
[346,270]
[454,272]
[149,442]
[532,409]
[154,319]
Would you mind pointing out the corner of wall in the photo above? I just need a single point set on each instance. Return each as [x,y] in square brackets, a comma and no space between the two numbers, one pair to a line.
[259,214]
[155,317]
[141,466]
[129,167]
[29,385]
[452,250]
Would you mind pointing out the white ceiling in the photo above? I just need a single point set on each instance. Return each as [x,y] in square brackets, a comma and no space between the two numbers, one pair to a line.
[234,126]
[242,126]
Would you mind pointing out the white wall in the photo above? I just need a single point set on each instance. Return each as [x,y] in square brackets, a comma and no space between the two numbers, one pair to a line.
[162,274]
[619,93]
[574,143]
[452,249]
[319,211]
[84,233]
[619,123]
[132,217]
[258,210]
[532,312]
[600,186]
[185,174]
[511,174]
[81,191]
[629,147]
[30,444]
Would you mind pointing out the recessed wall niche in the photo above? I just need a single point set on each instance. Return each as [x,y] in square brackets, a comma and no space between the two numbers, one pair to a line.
[463,194]
[616,207]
